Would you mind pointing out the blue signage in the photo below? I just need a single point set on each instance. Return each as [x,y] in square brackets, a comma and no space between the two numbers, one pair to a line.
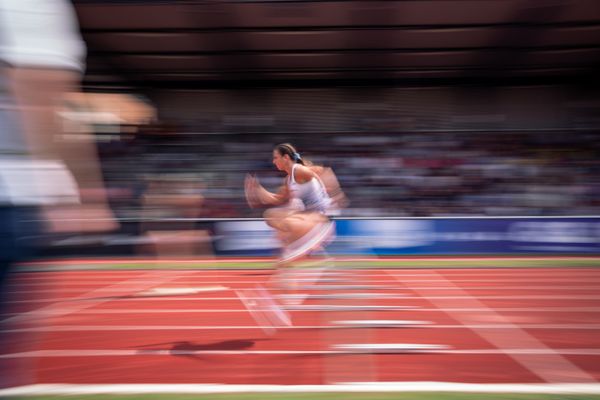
[431,236]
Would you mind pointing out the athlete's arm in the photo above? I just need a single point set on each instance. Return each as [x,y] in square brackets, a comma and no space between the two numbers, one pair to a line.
[303,174]
[332,185]
[258,196]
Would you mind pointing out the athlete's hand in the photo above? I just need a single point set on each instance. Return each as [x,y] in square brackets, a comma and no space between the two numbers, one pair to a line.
[251,190]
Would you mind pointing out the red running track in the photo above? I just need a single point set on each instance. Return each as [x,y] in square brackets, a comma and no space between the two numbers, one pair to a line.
[502,326]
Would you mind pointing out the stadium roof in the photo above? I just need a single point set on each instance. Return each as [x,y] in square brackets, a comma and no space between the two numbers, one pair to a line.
[180,44]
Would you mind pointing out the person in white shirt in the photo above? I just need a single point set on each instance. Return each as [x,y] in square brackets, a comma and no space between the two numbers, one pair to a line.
[42,59]
[44,176]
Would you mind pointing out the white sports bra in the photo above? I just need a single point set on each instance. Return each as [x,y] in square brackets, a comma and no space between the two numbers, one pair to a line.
[312,193]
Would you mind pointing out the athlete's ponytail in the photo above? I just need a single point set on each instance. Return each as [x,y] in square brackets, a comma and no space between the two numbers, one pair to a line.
[286,148]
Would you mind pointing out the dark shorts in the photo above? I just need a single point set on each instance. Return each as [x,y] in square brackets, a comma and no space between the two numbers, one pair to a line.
[20,230]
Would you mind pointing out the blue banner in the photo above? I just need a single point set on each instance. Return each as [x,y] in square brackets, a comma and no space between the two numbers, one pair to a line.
[430,236]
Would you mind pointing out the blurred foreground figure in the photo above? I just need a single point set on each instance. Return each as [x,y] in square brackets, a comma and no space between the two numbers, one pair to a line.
[44,175]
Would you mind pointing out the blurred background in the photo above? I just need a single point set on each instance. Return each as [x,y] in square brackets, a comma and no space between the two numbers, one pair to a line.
[127,126]
[423,108]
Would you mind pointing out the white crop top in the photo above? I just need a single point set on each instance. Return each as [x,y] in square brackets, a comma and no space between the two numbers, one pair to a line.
[312,193]
[41,33]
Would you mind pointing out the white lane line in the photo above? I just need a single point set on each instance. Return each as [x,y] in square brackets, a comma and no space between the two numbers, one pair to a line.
[57,280]
[430,325]
[87,298]
[514,278]
[499,273]
[52,314]
[411,324]
[170,291]
[382,323]
[83,328]
[98,296]
[62,389]
[553,368]
[67,287]
[177,291]
[465,295]
[548,354]
[384,348]
[345,307]
[201,276]
[352,296]
[347,287]
[570,310]
[340,260]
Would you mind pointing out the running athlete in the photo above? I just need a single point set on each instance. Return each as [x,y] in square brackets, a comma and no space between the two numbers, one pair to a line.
[302,204]
[300,218]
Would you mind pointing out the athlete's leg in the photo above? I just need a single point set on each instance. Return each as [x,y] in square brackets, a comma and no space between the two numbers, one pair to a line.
[309,232]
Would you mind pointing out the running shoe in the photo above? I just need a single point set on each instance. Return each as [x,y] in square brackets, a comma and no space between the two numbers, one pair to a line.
[273,311]
[249,299]
[264,309]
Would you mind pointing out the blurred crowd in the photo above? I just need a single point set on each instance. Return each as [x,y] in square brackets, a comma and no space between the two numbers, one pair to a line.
[530,173]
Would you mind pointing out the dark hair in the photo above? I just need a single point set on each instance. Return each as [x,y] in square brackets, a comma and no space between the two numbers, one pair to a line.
[286,148]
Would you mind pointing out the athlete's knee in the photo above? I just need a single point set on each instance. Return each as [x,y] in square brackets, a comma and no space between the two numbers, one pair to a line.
[276,219]
[270,217]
